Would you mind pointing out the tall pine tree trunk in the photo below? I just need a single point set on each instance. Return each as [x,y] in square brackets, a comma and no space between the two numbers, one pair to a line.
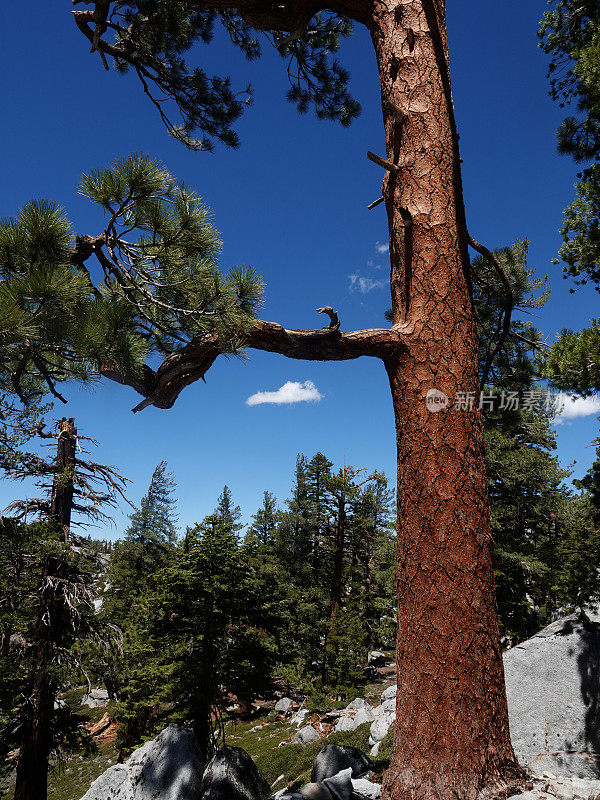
[36,728]
[451,737]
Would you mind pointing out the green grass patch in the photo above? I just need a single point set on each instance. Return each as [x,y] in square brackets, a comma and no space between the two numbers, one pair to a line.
[293,761]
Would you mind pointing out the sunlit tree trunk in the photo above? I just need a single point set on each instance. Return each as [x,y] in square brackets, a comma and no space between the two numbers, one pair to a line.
[451,736]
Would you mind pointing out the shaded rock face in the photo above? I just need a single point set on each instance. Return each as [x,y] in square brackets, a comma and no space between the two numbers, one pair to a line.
[232,775]
[576,765]
[553,689]
[338,787]
[333,758]
[166,768]
[95,699]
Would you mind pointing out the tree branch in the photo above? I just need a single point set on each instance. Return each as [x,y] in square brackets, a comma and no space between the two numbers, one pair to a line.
[162,388]
[508,304]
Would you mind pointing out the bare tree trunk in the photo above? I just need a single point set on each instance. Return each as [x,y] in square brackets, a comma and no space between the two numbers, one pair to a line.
[36,739]
[337,580]
[451,736]
[63,486]
[32,767]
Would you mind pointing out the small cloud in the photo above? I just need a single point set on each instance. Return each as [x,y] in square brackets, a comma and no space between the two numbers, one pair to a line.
[290,392]
[381,248]
[364,285]
[572,406]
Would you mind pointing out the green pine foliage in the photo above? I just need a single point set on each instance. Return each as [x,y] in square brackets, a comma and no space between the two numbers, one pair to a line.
[202,636]
[146,549]
[154,285]
[570,34]
[153,39]
[573,363]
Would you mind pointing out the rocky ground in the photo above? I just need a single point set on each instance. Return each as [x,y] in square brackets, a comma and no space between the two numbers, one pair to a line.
[553,686]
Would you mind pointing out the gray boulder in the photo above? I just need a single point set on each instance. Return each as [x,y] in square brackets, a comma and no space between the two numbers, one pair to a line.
[358,702]
[97,698]
[388,693]
[232,775]
[334,758]
[366,788]
[387,706]
[166,768]
[315,791]
[306,735]
[283,705]
[376,658]
[338,787]
[346,724]
[363,715]
[553,689]
[380,727]
[574,765]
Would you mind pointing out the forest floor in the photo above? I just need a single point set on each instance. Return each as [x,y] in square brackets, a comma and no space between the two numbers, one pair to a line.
[264,734]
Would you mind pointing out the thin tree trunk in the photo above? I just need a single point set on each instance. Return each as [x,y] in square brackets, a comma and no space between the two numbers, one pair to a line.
[337,581]
[63,486]
[32,767]
[451,736]
[36,737]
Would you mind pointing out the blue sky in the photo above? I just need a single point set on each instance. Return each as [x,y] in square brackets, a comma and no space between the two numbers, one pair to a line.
[291,201]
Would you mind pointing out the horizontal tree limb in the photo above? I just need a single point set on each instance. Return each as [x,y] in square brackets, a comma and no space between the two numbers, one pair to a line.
[182,368]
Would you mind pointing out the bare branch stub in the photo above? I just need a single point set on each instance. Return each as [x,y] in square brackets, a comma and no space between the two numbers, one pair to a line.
[334,323]
[393,168]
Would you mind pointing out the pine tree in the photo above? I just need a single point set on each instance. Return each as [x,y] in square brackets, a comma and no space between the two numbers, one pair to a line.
[159,285]
[204,633]
[49,596]
[262,530]
[227,513]
[570,34]
[147,547]
[443,509]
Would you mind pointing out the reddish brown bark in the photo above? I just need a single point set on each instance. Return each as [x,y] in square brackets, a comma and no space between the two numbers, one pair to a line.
[451,736]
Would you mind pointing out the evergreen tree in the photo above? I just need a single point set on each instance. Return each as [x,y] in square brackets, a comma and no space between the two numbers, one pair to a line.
[432,344]
[226,512]
[261,532]
[570,33]
[159,285]
[48,596]
[147,547]
[204,633]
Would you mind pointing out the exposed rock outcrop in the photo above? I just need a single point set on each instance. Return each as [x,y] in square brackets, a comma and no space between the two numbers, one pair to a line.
[166,768]
[233,775]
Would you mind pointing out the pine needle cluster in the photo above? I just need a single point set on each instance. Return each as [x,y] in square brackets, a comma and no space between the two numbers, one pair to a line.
[153,285]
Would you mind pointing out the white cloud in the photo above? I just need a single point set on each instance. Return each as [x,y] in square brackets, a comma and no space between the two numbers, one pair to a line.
[290,392]
[364,285]
[382,248]
[572,406]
